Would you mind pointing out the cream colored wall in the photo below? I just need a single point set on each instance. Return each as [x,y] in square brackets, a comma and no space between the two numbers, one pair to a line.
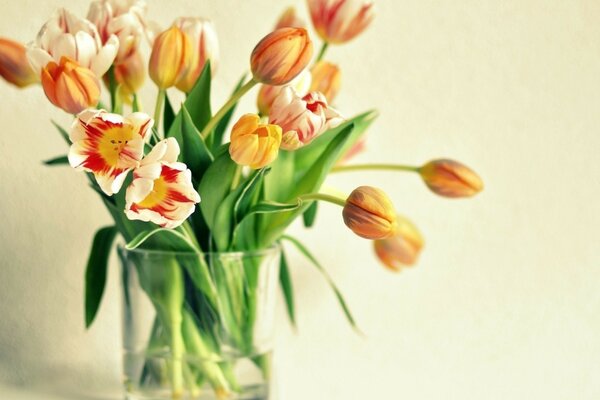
[505,300]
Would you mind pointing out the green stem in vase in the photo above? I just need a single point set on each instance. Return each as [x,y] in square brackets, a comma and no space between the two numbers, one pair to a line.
[160,100]
[212,123]
[385,167]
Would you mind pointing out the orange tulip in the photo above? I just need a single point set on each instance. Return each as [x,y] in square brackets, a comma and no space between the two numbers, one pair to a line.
[450,178]
[401,249]
[14,66]
[369,213]
[289,19]
[70,86]
[281,55]
[254,144]
[170,57]
[338,21]
[326,78]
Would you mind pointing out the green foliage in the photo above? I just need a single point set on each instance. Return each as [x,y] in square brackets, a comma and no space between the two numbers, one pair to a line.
[285,281]
[310,215]
[95,272]
[61,160]
[194,152]
[216,139]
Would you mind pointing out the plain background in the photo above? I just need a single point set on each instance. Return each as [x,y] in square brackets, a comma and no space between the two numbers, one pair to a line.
[505,300]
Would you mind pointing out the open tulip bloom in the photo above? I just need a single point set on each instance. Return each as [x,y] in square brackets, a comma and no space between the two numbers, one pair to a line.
[172,178]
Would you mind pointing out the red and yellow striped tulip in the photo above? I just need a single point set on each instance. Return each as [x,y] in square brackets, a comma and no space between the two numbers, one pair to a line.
[69,86]
[170,57]
[450,178]
[254,144]
[402,249]
[161,191]
[14,66]
[108,145]
[369,213]
[338,21]
[326,78]
[281,55]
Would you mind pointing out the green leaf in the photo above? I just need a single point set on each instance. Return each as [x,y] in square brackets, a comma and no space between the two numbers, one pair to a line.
[197,103]
[215,185]
[327,277]
[171,239]
[195,154]
[61,160]
[216,139]
[95,272]
[310,215]
[244,199]
[280,182]
[168,115]
[62,132]
[285,281]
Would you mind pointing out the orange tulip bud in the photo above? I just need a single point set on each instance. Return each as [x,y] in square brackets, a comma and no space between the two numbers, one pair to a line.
[326,78]
[369,213]
[254,144]
[281,55]
[170,57]
[450,178]
[401,249]
[289,19]
[70,86]
[14,66]
[130,75]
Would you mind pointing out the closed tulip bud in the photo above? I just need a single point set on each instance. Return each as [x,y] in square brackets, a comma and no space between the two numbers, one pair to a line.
[70,86]
[369,213]
[338,21]
[254,144]
[205,46]
[281,55]
[326,78]
[130,75]
[170,57]
[289,19]
[268,93]
[450,178]
[14,66]
[402,249]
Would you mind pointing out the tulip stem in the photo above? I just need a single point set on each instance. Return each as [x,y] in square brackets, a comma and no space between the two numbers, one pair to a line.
[323,197]
[360,167]
[226,107]
[160,100]
[324,47]
[112,88]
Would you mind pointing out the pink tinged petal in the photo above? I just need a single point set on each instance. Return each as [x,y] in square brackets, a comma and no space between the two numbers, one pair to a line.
[105,57]
[38,58]
[64,46]
[86,48]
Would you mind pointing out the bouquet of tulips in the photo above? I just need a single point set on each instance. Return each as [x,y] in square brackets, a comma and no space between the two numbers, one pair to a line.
[185,180]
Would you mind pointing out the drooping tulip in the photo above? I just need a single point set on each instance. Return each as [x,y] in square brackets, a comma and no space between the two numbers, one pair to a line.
[108,145]
[161,191]
[326,78]
[204,47]
[301,118]
[338,21]
[170,57]
[69,86]
[450,178]
[268,93]
[402,249]
[281,55]
[289,19]
[14,66]
[254,144]
[66,35]
[369,213]
[125,19]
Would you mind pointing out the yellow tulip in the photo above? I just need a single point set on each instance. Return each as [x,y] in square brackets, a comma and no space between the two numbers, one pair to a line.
[450,178]
[402,249]
[369,213]
[170,57]
[254,144]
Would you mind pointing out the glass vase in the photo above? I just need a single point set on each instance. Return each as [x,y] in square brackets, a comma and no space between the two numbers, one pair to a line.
[198,326]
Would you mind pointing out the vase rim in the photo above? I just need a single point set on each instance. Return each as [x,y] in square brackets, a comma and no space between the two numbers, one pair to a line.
[236,253]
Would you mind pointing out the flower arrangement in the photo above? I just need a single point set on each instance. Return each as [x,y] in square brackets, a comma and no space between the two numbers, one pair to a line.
[173,182]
